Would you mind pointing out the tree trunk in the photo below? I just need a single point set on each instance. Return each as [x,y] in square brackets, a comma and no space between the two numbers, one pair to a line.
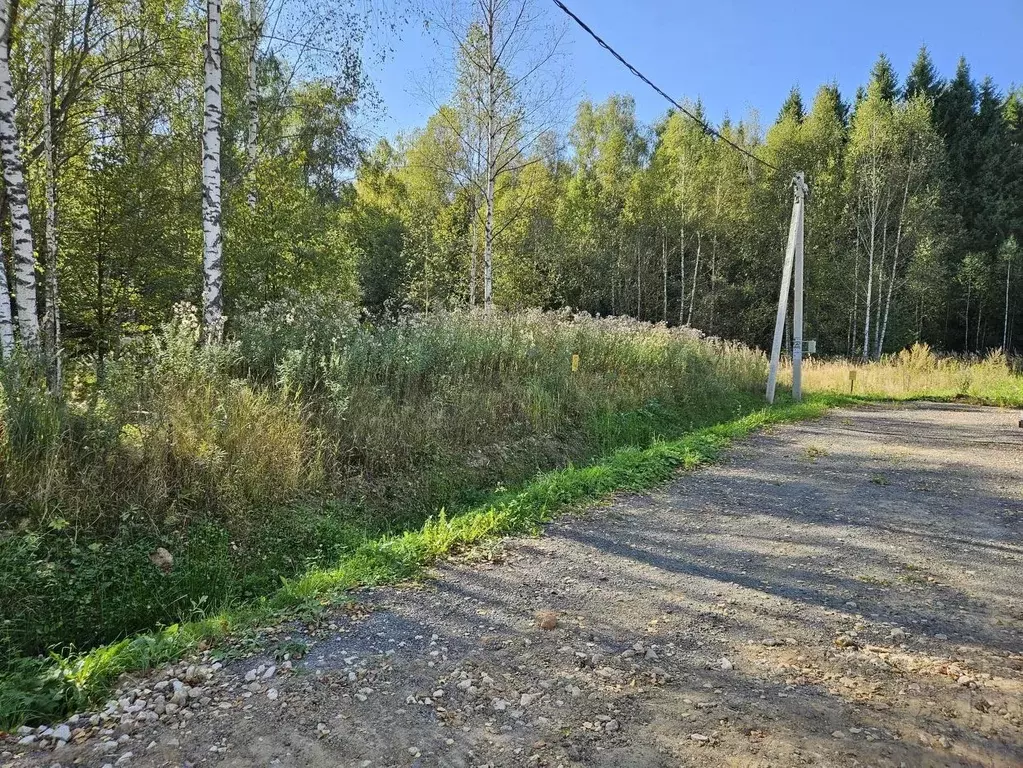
[213,244]
[23,255]
[696,275]
[664,274]
[682,273]
[980,318]
[472,254]
[966,341]
[488,227]
[488,249]
[6,320]
[880,277]
[713,279]
[870,281]
[854,315]
[1005,324]
[895,260]
[252,97]
[52,318]
[714,257]
[639,282]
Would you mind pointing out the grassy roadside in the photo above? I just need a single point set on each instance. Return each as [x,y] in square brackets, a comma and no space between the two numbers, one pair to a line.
[37,689]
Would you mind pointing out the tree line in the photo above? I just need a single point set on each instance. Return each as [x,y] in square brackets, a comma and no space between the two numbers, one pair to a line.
[913,220]
[155,153]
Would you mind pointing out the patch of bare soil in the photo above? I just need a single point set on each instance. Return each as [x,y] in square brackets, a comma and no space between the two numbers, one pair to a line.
[838,593]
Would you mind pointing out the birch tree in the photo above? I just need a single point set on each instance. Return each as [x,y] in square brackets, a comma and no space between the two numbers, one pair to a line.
[23,254]
[255,31]
[916,171]
[213,245]
[6,317]
[684,150]
[506,54]
[1008,253]
[52,316]
[871,157]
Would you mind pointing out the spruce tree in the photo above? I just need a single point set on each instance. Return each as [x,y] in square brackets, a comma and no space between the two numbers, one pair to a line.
[955,118]
[883,75]
[922,79]
[793,106]
[996,170]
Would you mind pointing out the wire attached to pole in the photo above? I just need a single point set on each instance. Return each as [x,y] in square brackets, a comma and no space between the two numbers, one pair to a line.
[707,128]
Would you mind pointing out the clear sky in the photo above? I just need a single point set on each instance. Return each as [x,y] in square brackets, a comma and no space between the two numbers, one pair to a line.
[742,55]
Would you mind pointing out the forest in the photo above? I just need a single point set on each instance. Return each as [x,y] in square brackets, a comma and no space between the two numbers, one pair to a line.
[913,219]
[913,222]
[238,329]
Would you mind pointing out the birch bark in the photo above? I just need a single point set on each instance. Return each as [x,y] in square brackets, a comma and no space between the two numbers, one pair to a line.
[252,97]
[17,195]
[213,245]
[52,317]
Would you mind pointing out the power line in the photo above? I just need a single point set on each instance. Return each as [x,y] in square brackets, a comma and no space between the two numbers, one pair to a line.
[707,128]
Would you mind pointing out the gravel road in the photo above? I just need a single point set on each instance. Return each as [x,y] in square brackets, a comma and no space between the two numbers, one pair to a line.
[844,592]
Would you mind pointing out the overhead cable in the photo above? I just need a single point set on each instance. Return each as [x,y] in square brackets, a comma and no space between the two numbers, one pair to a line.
[707,128]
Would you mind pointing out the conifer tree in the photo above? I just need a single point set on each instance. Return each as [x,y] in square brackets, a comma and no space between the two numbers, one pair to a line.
[922,79]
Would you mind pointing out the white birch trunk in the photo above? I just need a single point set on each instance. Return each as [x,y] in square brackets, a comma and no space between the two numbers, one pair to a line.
[213,245]
[664,273]
[52,335]
[488,249]
[682,247]
[885,224]
[6,319]
[895,261]
[639,282]
[472,252]
[872,213]
[980,319]
[714,257]
[488,226]
[252,97]
[696,275]
[1005,324]
[17,195]
[854,318]
[966,340]
[682,272]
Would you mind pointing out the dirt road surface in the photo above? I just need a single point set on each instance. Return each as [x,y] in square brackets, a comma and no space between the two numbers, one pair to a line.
[846,592]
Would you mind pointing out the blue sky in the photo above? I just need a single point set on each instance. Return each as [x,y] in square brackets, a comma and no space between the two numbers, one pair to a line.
[742,55]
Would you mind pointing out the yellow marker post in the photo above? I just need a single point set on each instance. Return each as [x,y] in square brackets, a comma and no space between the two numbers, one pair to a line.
[852,379]
[575,363]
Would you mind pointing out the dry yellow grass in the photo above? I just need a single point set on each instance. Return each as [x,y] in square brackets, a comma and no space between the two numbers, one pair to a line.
[916,373]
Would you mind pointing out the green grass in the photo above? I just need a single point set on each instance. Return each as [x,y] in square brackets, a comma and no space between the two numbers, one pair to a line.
[310,455]
[40,689]
[287,448]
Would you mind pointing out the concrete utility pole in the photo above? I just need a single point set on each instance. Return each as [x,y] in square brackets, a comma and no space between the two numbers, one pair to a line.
[793,256]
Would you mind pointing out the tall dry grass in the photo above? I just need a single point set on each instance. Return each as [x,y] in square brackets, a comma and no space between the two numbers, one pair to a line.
[310,431]
[918,373]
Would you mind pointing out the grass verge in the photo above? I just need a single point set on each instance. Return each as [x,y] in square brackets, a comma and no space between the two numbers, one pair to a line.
[40,689]
[44,689]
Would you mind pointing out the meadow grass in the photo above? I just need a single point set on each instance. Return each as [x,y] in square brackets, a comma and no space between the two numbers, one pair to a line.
[37,689]
[917,373]
[310,455]
[289,449]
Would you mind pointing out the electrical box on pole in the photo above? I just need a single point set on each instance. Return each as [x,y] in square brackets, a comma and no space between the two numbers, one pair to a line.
[793,263]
